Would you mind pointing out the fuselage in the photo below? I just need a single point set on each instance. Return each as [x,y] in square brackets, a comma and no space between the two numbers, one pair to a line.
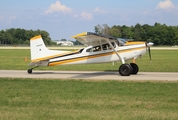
[100,53]
[101,49]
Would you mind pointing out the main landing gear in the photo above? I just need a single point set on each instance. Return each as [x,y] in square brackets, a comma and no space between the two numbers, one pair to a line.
[127,69]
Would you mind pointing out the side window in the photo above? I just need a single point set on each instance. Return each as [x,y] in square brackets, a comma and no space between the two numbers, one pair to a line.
[105,46]
[118,43]
[97,48]
[94,49]
[113,44]
[89,50]
[80,51]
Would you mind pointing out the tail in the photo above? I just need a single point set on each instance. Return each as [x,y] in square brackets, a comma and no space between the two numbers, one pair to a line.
[39,51]
[38,48]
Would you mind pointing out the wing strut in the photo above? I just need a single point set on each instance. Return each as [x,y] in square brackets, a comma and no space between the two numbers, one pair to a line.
[122,60]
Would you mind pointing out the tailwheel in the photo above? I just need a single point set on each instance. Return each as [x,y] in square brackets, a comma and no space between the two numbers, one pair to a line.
[29,71]
[125,69]
[135,68]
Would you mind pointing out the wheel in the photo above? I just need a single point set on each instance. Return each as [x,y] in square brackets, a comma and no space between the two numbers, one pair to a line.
[125,69]
[135,68]
[29,71]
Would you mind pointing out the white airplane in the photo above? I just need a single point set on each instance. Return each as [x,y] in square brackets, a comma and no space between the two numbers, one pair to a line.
[100,49]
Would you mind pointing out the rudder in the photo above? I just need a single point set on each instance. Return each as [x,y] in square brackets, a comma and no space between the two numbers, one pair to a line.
[37,48]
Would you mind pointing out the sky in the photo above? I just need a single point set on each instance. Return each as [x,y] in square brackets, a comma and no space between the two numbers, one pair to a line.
[65,18]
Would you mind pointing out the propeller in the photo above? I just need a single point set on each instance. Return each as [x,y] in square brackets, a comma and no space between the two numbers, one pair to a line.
[149,51]
[148,48]
[148,44]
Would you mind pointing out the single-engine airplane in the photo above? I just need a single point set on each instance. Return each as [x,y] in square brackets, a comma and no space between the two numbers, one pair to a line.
[100,49]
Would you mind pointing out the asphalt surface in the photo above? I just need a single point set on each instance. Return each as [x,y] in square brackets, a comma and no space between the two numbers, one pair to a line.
[90,75]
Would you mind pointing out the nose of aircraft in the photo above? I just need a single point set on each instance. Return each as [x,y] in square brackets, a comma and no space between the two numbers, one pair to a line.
[150,44]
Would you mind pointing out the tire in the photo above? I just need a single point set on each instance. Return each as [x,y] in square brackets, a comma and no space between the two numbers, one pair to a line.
[135,68]
[29,71]
[125,69]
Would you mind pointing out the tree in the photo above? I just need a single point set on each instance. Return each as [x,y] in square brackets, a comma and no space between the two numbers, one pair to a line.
[159,34]
[21,36]
[115,31]
[102,29]
[137,31]
[98,29]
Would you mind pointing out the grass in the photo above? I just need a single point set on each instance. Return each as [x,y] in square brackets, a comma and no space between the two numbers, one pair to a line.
[162,61]
[87,100]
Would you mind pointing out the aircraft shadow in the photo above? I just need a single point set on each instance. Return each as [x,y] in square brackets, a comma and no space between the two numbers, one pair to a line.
[77,74]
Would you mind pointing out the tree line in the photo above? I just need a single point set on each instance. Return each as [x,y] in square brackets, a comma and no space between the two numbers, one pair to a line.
[21,36]
[159,34]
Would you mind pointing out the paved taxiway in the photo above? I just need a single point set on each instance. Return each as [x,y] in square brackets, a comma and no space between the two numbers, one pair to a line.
[94,75]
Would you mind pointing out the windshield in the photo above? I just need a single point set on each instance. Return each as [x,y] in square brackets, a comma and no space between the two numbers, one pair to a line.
[121,41]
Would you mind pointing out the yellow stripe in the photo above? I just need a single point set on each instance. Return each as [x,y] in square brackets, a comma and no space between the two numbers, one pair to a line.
[50,57]
[78,35]
[134,43]
[78,59]
[89,57]
[36,37]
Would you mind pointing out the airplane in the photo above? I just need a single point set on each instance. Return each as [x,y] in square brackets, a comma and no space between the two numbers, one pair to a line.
[100,49]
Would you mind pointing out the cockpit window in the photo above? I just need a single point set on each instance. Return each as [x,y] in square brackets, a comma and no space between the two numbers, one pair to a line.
[97,48]
[101,47]
[113,44]
[80,51]
[94,49]
[89,50]
[107,46]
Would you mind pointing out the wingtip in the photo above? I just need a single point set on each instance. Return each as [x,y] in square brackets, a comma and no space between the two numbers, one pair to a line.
[80,34]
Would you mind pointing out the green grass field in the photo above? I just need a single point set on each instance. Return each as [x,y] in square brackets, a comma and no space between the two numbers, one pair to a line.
[47,99]
[162,61]
[39,99]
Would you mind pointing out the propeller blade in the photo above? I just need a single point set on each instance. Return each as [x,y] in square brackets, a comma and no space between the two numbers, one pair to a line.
[149,51]
[146,45]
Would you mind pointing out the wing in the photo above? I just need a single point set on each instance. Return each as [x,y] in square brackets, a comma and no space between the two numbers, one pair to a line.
[90,38]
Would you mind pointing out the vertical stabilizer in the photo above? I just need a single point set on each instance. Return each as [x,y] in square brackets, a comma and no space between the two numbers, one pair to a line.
[37,48]
[40,52]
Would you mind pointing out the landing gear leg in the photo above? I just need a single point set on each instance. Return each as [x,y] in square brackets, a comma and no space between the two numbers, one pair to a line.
[125,69]
[29,71]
